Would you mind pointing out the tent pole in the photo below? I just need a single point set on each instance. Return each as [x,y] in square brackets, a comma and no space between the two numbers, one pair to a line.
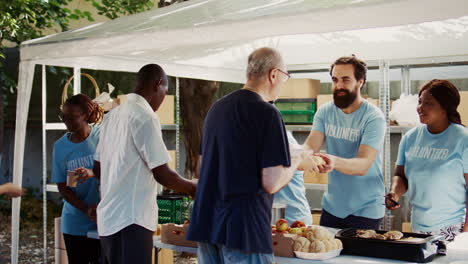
[25,79]
[44,159]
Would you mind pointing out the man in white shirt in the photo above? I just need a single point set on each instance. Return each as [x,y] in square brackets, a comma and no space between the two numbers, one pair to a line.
[130,159]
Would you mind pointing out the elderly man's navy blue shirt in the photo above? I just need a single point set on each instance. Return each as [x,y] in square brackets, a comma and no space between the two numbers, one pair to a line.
[242,134]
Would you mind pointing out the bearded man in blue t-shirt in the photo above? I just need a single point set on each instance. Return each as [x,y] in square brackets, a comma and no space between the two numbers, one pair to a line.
[353,130]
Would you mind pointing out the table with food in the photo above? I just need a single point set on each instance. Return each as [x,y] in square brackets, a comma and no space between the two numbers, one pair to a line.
[297,243]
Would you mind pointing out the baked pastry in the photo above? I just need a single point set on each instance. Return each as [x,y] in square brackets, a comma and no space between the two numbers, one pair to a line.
[309,162]
[301,244]
[329,245]
[393,235]
[365,233]
[380,237]
[339,244]
[322,234]
[317,246]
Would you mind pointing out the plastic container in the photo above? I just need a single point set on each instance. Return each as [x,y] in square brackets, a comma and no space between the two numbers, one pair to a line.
[173,209]
[297,111]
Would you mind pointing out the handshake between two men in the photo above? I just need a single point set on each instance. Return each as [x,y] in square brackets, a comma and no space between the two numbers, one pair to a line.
[310,161]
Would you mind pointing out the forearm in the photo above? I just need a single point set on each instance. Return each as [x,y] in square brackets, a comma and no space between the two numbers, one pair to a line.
[399,186]
[353,166]
[275,178]
[178,184]
[172,180]
[70,196]
[288,173]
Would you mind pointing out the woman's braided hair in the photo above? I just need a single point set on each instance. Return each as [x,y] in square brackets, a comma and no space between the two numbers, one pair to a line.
[92,109]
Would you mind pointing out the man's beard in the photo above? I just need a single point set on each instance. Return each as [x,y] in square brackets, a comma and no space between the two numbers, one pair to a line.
[343,101]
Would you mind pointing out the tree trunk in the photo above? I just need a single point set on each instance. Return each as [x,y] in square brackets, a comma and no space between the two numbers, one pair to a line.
[196,97]
[1,124]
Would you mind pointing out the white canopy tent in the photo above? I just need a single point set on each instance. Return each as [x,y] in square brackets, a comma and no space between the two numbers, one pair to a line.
[211,39]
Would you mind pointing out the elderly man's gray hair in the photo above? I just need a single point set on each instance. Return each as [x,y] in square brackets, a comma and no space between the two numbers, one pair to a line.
[261,61]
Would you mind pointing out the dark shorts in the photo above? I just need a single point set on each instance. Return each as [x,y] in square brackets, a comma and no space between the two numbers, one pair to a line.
[81,250]
[330,220]
[133,244]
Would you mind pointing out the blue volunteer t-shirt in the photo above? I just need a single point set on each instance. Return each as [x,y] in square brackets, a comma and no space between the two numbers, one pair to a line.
[344,134]
[434,166]
[68,156]
[242,134]
[293,195]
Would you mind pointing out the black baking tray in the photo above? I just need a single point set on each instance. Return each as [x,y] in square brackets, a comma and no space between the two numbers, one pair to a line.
[422,251]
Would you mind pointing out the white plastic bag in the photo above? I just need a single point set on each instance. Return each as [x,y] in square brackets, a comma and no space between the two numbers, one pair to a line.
[404,110]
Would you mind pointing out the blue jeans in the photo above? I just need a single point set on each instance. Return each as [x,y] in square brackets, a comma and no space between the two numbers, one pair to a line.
[353,221]
[219,254]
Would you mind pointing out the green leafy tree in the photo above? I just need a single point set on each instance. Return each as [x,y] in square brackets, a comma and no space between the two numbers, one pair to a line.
[22,20]
[113,9]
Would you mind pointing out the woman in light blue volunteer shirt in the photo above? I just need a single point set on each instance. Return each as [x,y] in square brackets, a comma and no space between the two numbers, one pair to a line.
[74,150]
[293,195]
[432,165]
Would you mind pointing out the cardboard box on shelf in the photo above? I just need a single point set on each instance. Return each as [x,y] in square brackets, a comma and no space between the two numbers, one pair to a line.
[323,99]
[406,227]
[314,177]
[166,111]
[463,107]
[283,245]
[175,235]
[316,218]
[300,88]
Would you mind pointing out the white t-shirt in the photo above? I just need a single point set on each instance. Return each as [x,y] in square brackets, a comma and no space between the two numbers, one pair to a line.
[130,146]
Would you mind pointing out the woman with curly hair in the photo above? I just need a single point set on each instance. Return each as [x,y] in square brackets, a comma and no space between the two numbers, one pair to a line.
[73,150]
[432,164]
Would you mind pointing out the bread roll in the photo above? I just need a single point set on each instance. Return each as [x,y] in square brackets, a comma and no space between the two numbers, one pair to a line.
[322,234]
[301,244]
[329,245]
[317,246]
[339,244]
[309,162]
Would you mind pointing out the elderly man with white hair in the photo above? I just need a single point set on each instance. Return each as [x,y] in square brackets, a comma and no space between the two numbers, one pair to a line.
[245,159]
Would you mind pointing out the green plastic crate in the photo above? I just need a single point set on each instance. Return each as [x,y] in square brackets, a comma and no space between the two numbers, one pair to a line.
[297,111]
[298,117]
[173,209]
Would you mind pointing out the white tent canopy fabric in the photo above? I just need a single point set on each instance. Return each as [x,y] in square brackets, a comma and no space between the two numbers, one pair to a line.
[211,39]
